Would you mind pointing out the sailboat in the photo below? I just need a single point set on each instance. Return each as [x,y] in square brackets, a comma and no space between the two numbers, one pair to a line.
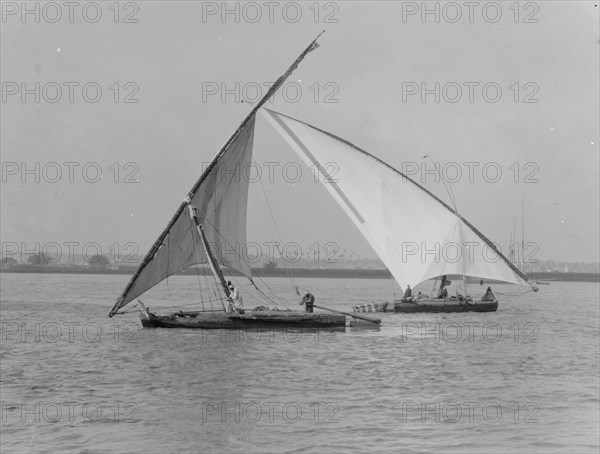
[211,218]
[416,235]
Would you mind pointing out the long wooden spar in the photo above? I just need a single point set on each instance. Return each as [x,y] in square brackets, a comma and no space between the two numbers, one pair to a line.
[361,317]
[158,243]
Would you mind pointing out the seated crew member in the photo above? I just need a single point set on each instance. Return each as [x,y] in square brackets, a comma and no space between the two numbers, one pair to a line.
[309,301]
[489,296]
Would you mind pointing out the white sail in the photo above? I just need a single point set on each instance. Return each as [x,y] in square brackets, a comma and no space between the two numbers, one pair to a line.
[415,234]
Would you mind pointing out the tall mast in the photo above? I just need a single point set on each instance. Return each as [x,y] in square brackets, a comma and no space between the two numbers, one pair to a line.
[214,266]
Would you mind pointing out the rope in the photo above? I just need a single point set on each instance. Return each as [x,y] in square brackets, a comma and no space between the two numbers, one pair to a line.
[288,271]
[512,295]
[250,278]
[267,297]
[447,186]
[131,309]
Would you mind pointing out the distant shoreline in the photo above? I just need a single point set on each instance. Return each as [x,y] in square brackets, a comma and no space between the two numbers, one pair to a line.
[283,272]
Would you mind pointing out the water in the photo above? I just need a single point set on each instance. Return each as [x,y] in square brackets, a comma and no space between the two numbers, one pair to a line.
[523,379]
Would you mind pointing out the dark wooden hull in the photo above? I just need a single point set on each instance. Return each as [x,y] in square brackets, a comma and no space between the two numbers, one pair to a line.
[250,319]
[409,307]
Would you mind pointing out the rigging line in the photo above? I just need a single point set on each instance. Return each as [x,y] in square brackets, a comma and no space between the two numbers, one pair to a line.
[253,297]
[512,295]
[250,278]
[177,305]
[275,295]
[233,248]
[272,233]
[447,186]
[248,264]
[132,309]
[267,297]
[453,234]
[288,271]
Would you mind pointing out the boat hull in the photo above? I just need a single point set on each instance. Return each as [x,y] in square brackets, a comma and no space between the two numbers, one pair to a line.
[444,306]
[249,319]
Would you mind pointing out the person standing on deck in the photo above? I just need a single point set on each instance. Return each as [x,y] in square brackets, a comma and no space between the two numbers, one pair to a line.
[309,301]
[235,297]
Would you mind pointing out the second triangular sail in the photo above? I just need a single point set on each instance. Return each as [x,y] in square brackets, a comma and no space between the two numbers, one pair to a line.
[416,235]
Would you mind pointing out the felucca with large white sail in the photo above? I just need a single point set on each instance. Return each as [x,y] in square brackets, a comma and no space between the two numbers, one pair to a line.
[209,221]
[416,235]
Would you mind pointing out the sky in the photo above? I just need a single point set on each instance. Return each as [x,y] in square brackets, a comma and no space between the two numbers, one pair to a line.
[133,102]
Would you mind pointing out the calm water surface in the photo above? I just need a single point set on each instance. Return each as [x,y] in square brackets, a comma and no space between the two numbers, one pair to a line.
[523,379]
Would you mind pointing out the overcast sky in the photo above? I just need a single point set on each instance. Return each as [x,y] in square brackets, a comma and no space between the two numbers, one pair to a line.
[360,85]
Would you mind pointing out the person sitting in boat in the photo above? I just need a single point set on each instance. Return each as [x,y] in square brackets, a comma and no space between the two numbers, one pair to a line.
[407,294]
[309,301]
[235,297]
[489,296]
[445,283]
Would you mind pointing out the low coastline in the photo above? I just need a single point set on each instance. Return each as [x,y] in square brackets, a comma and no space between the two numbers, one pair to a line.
[341,273]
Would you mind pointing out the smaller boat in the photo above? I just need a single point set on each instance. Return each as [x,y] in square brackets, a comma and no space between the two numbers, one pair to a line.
[373,307]
[458,303]
[451,304]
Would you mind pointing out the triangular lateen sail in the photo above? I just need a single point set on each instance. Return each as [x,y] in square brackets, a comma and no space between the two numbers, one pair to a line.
[221,202]
[415,234]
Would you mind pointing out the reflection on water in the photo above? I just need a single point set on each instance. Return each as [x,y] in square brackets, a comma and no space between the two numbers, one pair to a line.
[523,379]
